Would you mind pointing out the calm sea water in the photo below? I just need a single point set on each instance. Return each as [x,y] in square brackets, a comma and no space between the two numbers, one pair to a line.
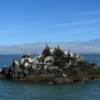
[17,90]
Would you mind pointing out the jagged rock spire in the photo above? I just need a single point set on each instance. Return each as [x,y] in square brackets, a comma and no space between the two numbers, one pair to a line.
[46,51]
[47,46]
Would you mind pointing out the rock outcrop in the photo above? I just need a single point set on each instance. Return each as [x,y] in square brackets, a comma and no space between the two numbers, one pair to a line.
[54,65]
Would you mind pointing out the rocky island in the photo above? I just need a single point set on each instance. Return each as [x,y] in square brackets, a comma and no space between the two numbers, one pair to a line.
[54,66]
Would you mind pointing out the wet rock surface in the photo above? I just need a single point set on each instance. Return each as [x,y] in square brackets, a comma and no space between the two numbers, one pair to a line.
[54,66]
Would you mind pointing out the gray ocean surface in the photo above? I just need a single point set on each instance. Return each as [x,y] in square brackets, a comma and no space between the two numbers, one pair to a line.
[18,90]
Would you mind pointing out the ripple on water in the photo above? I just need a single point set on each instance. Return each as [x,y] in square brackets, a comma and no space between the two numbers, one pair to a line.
[16,90]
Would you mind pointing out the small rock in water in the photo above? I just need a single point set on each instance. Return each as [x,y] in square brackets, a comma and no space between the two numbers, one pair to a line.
[51,83]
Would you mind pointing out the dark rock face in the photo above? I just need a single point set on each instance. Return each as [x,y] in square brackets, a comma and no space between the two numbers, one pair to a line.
[54,65]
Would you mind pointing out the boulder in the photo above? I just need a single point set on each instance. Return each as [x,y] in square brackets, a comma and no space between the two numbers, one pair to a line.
[53,64]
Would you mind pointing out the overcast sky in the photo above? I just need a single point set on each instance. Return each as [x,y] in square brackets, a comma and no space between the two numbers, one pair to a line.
[30,21]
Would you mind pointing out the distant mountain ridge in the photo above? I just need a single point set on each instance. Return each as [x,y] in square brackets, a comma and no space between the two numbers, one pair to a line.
[36,48]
